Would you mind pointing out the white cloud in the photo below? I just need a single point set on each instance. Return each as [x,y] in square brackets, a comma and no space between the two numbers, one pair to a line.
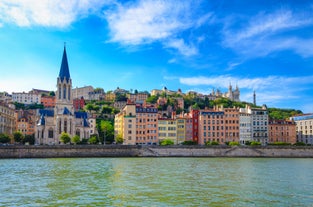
[265,34]
[182,47]
[148,21]
[48,13]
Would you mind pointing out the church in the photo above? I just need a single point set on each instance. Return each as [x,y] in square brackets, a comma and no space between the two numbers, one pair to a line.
[62,118]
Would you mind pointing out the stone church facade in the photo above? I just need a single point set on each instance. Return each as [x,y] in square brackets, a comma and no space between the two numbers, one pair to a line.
[62,118]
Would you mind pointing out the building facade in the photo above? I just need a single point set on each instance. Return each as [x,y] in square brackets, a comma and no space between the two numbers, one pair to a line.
[167,129]
[146,125]
[304,128]
[7,119]
[125,124]
[48,101]
[25,121]
[26,98]
[282,131]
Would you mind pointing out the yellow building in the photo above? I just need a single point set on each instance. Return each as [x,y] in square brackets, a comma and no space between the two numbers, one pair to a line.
[125,124]
[167,129]
[7,119]
[181,130]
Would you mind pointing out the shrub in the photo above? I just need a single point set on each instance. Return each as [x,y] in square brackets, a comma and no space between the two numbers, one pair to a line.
[75,139]
[212,143]
[247,143]
[233,144]
[18,136]
[4,138]
[255,143]
[299,144]
[30,139]
[65,138]
[189,142]
[166,142]
[93,140]
[280,143]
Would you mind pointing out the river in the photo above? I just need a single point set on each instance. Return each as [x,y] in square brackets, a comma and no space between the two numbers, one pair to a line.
[156,182]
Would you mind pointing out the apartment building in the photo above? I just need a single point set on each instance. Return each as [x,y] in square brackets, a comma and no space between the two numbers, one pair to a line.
[84,92]
[167,129]
[48,101]
[146,125]
[7,118]
[231,121]
[25,121]
[181,129]
[26,98]
[211,126]
[125,124]
[282,131]
[304,127]
[253,125]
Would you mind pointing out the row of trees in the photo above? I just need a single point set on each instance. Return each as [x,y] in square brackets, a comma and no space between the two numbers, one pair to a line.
[18,137]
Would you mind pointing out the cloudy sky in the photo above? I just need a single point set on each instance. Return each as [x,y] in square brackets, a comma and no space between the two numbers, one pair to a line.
[149,44]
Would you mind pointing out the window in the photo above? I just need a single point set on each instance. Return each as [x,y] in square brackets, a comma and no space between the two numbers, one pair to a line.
[50,133]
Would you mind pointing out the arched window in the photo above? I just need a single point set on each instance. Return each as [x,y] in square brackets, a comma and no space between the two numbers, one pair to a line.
[60,124]
[64,91]
[50,133]
[60,91]
[77,132]
[65,126]
[69,93]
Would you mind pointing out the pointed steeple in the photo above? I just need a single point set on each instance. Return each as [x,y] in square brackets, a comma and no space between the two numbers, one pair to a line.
[64,70]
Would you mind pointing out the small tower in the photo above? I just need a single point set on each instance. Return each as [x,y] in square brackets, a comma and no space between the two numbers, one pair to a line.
[254,98]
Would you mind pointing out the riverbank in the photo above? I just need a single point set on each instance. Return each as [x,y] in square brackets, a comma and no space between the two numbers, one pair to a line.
[153,151]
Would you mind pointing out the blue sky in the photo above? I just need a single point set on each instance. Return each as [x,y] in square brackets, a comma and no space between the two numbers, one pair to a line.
[148,44]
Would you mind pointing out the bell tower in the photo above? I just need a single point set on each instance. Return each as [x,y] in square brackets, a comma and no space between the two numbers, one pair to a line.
[64,85]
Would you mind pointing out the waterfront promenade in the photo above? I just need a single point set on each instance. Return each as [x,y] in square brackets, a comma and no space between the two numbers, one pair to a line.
[45,151]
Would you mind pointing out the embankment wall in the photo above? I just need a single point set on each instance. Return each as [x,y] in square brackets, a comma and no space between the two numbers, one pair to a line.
[152,151]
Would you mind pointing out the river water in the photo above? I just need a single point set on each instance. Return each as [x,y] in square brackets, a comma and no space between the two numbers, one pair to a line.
[156,182]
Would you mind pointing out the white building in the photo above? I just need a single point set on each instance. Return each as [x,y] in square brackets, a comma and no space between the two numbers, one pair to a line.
[253,125]
[304,127]
[26,98]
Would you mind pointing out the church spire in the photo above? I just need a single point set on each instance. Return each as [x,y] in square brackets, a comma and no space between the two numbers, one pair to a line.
[64,70]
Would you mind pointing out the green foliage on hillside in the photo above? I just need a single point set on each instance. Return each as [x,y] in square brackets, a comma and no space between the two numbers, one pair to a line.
[19,106]
[275,113]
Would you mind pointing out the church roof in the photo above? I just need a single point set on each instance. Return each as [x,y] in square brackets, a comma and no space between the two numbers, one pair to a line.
[46,112]
[64,70]
[66,111]
[41,121]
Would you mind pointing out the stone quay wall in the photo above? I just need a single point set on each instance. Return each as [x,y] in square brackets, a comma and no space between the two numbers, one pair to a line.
[153,151]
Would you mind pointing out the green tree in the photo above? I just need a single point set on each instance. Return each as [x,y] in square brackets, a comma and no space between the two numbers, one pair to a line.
[166,142]
[75,139]
[152,99]
[119,139]
[51,93]
[65,138]
[30,139]
[89,107]
[4,138]
[106,131]
[18,136]
[93,139]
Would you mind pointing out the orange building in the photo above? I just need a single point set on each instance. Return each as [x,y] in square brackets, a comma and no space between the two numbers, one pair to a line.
[48,101]
[146,125]
[282,131]
[25,122]
[211,126]
[231,119]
